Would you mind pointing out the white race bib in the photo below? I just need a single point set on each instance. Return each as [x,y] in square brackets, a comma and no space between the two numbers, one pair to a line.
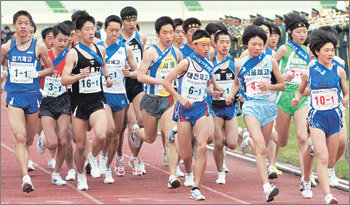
[137,56]
[19,72]
[253,86]
[53,87]
[91,84]
[325,99]
[296,71]
[226,85]
[117,79]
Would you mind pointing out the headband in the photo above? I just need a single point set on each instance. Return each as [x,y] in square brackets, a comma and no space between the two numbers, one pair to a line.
[192,25]
[203,39]
[134,16]
[297,25]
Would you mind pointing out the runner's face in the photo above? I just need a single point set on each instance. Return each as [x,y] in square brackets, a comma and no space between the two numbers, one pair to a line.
[223,44]
[267,31]
[130,25]
[326,53]
[299,35]
[70,38]
[49,40]
[87,32]
[61,42]
[31,32]
[202,48]
[22,26]
[166,34]
[273,40]
[113,31]
[179,36]
[255,46]
[189,34]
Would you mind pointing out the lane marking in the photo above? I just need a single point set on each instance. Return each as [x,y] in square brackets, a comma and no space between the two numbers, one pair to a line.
[69,184]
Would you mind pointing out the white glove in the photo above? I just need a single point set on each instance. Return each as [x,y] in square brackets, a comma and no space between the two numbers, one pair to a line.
[33,74]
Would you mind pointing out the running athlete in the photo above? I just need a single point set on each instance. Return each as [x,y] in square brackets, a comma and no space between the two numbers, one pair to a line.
[256,74]
[22,85]
[179,35]
[225,119]
[294,59]
[55,105]
[134,89]
[48,38]
[190,25]
[326,82]
[191,111]
[83,68]
[117,55]
[274,36]
[157,104]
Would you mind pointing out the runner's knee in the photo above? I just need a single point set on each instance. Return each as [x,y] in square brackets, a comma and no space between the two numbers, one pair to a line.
[260,148]
[322,159]
[20,138]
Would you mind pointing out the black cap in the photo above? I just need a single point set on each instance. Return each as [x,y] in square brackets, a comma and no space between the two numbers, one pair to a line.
[335,8]
[269,20]
[252,16]
[297,12]
[259,16]
[280,17]
[342,11]
[315,11]
[221,18]
[227,16]
[304,13]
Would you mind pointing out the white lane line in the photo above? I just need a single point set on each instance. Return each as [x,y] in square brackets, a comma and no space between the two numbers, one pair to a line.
[205,187]
[69,184]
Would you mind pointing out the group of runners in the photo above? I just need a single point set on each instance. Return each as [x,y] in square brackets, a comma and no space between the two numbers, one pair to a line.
[194,91]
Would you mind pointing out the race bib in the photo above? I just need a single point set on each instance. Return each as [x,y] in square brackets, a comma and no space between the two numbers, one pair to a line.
[226,85]
[19,72]
[53,87]
[137,56]
[325,99]
[161,74]
[296,71]
[91,84]
[117,79]
[253,86]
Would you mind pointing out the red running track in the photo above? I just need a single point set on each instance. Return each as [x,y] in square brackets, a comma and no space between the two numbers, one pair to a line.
[242,183]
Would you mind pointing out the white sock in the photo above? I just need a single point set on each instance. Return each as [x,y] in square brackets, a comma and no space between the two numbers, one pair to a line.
[266,186]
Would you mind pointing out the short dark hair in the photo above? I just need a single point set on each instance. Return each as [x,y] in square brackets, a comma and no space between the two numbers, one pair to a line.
[162,21]
[78,14]
[178,22]
[70,24]
[137,27]
[253,31]
[113,18]
[128,11]
[221,33]
[329,29]
[46,31]
[212,28]
[189,21]
[61,28]
[319,38]
[7,27]
[22,13]
[261,21]
[292,21]
[99,23]
[275,29]
[200,34]
[34,25]
[79,23]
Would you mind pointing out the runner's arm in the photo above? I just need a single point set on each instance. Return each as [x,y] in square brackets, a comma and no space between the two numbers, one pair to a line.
[301,89]
[148,58]
[67,78]
[132,63]
[44,56]
[105,70]
[344,87]
[280,85]
[282,51]
[235,86]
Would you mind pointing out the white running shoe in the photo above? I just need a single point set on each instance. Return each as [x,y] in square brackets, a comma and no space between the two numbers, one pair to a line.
[221,178]
[95,170]
[134,140]
[142,168]
[271,193]
[102,163]
[179,173]
[173,182]
[333,180]
[272,172]
[30,166]
[226,170]
[82,182]
[27,185]
[71,175]
[245,144]
[108,176]
[40,144]
[189,180]
[134,164]
[329,199]
[196,195]
[119,168]
[51,164]
[57,179]
[307,192]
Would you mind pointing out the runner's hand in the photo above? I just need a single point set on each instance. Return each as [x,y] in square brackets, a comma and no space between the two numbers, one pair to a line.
[109,82]
[294,102]
[229,99]
[345,102]
[126,72]
[263,86]
[84,72]
[33,73]
[240,98]
[216,94]
[185,102]
[288,77]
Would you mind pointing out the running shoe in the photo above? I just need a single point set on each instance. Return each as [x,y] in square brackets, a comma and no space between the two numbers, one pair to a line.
[271,193]
[307,192]
[134,140]
[173,182]
[221,178]
[333,180]
[189,180]
[108,176]
[27,185]
[279,172]
[302,185]
[119,169]
[57,179]
[329,199]
[226,170]
[30,166]
[171,135]
[95,170]
[272,172]
[102,162]
[196,195]
[134,164]
[51,164]
[313,180]
[87,167]
[71,175]
[82,182]
[142,168]
[40,144]
[245,142]
[179,173]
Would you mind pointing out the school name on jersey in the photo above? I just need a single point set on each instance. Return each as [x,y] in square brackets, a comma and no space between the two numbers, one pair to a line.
[197,76]
[228,76]
[26,59]
[114,62]
[298,61]
[322,72]
[256,72]
[134,47]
